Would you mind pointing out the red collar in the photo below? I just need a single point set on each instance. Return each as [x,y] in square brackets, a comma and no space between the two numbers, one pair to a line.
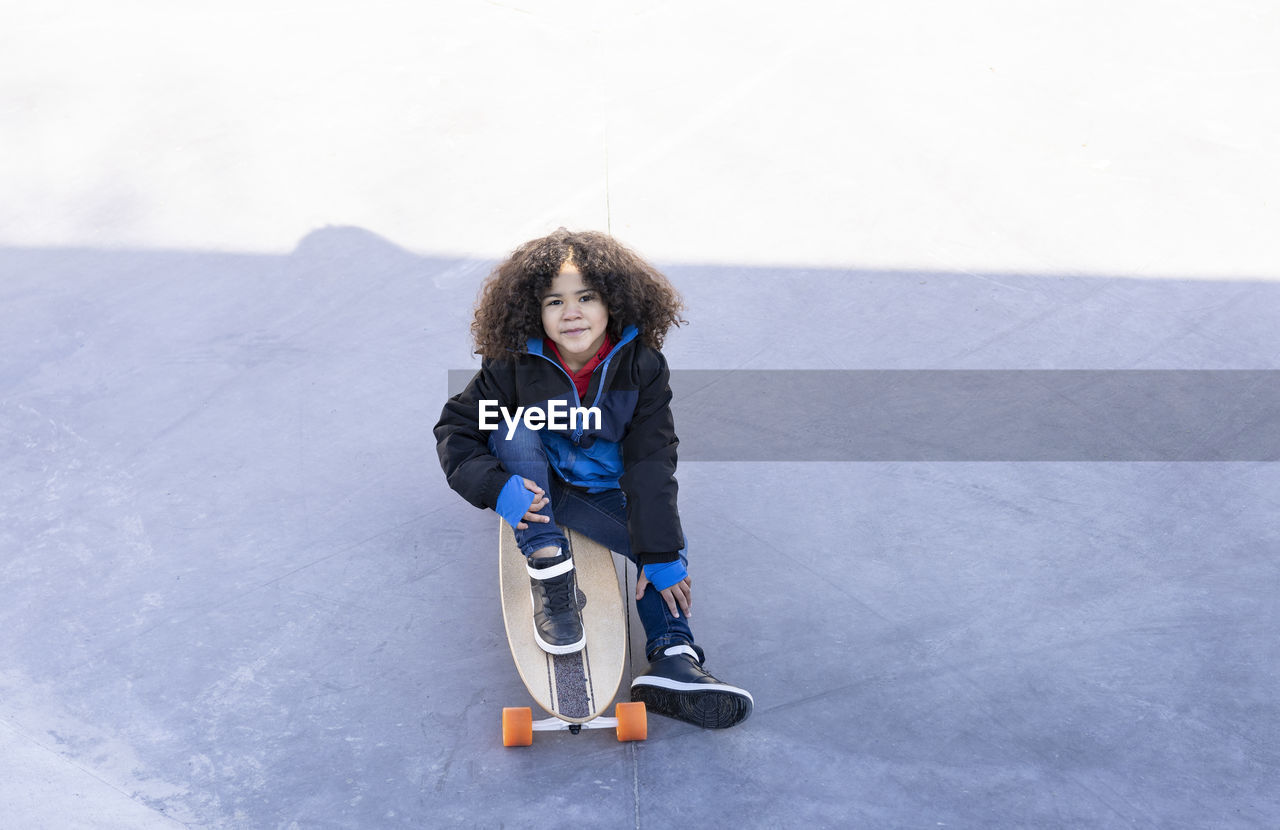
[582,377]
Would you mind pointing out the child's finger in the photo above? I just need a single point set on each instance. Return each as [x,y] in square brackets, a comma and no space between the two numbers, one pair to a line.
[681,593]
[669,596]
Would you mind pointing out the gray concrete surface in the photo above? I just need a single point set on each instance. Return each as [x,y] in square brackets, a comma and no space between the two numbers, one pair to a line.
[236,591]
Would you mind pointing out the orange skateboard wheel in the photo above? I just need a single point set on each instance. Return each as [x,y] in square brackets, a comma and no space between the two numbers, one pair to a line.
[633,721]
[517,726]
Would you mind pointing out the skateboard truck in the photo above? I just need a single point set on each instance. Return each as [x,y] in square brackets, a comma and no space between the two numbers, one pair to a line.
[630,720]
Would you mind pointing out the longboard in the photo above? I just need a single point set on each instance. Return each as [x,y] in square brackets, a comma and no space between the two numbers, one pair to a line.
[575,689]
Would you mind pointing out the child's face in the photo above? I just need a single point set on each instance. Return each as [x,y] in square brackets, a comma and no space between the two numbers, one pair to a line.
[574,316]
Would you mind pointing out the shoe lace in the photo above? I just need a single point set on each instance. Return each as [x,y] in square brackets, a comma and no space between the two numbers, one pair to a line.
[560,594]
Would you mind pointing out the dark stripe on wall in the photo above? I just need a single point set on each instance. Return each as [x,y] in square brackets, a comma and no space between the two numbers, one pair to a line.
[974,415]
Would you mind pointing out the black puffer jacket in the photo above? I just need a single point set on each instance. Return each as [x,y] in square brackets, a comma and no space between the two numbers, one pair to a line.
[633,448]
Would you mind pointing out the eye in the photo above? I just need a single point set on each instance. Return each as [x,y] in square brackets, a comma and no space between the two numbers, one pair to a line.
[551,303]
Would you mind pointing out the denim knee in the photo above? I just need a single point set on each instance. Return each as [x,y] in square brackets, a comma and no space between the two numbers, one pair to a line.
[523,444]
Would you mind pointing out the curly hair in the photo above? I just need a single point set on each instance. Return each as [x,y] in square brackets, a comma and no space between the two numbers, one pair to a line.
[509,309]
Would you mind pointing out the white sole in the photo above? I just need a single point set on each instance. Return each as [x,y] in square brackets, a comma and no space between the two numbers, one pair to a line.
[572,648]
[679,686]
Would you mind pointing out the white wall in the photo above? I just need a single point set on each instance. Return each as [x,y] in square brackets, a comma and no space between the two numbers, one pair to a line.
[1127,137]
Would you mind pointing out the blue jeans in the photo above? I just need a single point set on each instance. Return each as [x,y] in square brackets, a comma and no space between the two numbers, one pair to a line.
[602,516]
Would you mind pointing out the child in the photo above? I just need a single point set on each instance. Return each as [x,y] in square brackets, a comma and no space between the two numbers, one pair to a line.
[577,319]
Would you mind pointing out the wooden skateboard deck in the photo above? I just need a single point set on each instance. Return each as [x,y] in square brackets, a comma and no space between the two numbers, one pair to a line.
[575,688]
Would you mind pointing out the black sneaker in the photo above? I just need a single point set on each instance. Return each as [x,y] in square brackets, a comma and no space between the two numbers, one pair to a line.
[557,622]
[676,685]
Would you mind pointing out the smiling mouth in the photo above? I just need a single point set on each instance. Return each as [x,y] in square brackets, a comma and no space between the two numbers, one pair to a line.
[574,332]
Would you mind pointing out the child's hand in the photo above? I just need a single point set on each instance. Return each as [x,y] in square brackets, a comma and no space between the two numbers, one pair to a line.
[679,597]
[540,501]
